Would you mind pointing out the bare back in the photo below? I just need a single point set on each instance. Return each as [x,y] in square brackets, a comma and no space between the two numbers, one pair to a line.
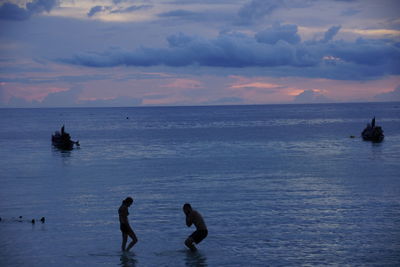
[195,218]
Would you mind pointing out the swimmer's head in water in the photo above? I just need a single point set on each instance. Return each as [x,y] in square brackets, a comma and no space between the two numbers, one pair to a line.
[128,201]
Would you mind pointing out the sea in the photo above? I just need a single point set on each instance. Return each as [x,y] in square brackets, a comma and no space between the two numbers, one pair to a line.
[277,185]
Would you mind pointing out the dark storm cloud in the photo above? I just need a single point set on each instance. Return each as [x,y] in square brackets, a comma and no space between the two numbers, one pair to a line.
[269,49]
[179,40]
[131,9]
[257,9]
[367,52]
[62,78]
[225,51]
[208,16]
[114,10]
[38,6]
[10,11]
[180,13]
[330,33]
[94,10]
[279,32]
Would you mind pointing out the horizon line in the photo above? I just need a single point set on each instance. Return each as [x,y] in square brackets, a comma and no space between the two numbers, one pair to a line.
[205,105]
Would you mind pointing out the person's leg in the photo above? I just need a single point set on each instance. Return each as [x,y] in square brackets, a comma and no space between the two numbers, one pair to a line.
[189,243]
[200,236]
[134,240]
[124,240]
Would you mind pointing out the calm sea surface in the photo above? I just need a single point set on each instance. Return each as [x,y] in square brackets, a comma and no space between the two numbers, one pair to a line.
[278,185]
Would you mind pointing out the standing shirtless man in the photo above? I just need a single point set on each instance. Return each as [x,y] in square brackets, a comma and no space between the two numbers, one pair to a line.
[194,217]
[124,224]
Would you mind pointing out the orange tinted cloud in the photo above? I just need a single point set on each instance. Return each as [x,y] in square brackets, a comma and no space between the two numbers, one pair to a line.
[261,85]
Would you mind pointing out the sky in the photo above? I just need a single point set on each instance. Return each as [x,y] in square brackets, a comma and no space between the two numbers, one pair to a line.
[110,53]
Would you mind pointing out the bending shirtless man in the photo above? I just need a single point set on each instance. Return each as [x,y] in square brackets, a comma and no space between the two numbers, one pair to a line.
[124,224]
[193,217]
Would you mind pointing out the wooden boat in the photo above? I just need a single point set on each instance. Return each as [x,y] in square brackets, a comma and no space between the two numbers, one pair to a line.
[372,133]
[62,140]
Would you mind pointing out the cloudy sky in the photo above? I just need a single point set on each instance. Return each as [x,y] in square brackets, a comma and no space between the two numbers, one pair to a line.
[197,52]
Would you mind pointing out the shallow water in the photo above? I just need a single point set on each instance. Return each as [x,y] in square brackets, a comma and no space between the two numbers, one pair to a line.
[279,185]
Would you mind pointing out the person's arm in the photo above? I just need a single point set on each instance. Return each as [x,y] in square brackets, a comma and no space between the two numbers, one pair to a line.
[124,220]
[123,216]
[189,220]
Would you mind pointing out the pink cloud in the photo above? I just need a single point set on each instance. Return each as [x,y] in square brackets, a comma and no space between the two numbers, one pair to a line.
[170,100]
[184,84]
[312,96]
[261,85]
[272,90]
[28,92]
[95,98]
[162,88]
[254,90]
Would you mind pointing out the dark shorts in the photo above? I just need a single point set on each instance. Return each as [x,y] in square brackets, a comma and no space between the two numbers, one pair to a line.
[126,229]
[199,235]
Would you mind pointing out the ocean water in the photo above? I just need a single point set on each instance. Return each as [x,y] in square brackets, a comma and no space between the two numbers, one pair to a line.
[278,185]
